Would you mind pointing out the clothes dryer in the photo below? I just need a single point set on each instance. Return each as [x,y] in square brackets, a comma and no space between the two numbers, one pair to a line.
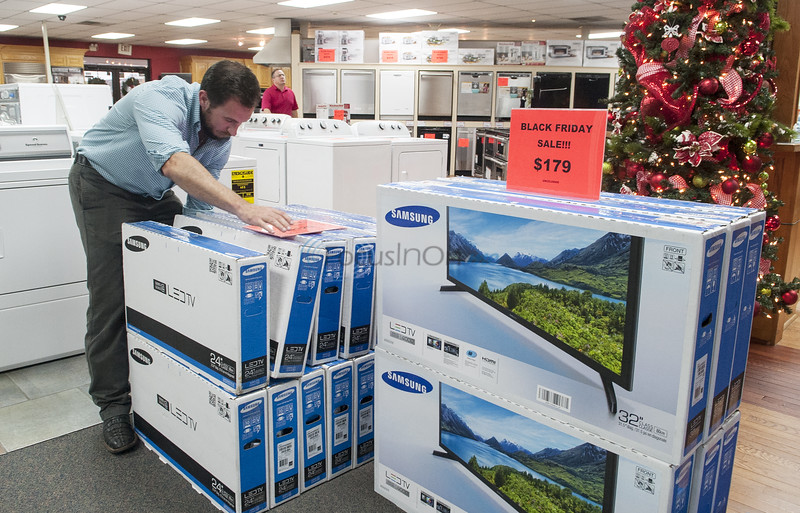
[43,295]
[261,138]
[412,158]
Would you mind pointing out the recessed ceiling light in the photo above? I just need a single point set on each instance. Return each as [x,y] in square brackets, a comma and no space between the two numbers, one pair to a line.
[602,35]
[256,48]
[456,30]
[112,35]
[186,41]
[407,13]
[533,21]
[3,28]
[191,22]
[305,4]
[265,31]
[57,9]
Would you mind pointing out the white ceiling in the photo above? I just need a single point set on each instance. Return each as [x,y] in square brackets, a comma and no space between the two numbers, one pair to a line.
[492,20]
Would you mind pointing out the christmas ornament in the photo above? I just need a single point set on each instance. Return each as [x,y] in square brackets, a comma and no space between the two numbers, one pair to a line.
[766,292]
[633,168]
[655,181]
[750,147]
[670,44]
[729,186]
[750,46]
[751,163]
[766,140]
[699,182]
[693,150]
[721,27]
[772,223]
[608,168]
[763,176]
[708,86]
[765,186]
[789,297]
[765,239]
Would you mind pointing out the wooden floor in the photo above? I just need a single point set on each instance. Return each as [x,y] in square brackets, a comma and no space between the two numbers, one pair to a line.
[766,474]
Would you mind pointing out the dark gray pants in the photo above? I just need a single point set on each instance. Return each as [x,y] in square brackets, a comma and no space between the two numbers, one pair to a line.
[100,209]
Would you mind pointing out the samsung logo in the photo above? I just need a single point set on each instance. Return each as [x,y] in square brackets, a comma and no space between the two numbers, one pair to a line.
[140,356]
[335,251]
[756,231]
[312,259]
[251,406]
[342,373]
[284,395]
[739,239]
[407,382]
[312,383]
[253,270]
[412,216]
[136,243]
[715,248]
[366,366]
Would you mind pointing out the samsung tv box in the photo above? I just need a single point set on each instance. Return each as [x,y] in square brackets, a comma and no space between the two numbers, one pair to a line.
[445,445]
[203,300]
[214,439]
[339,412]
[283,442]
[603,318]
[313,429]
[295,272]
[364,400]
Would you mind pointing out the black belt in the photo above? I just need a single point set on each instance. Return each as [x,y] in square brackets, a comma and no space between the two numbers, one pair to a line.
[81,159]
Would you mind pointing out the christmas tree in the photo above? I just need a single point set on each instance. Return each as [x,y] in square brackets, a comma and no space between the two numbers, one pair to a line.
[691,116]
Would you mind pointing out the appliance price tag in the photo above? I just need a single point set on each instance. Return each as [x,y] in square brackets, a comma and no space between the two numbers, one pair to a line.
[557,152]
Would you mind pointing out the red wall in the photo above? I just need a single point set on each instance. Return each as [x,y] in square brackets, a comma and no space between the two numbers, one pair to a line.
[162,59]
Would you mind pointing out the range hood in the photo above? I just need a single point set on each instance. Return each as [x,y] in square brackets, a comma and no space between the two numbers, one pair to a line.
[278,50]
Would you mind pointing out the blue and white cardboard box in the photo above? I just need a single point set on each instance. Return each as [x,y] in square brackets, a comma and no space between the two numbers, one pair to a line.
[739,278]
[615,334]
[707,461]
[295,272]
[445,445]
[211,437]
[314,424]
[339,413]
[364,395]
[722,491]
[283,457]
[203,300]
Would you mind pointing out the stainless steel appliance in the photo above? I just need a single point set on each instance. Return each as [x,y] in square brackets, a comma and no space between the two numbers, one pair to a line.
[590,90]
[465,151]
[437,132]
[512,91]
[493,161]
[397,94]
[358,89]
[24,72]
[319,87]
[474,96]
[551,90]
[43,296]
[435,100]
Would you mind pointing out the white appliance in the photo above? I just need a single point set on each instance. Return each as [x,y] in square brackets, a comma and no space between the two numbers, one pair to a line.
[238,174]
[330,168]
[397,94]
[43,296]
[413,158]
[78,106]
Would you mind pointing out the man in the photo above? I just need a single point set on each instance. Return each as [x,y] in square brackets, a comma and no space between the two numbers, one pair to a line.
[278,98]
[161,133]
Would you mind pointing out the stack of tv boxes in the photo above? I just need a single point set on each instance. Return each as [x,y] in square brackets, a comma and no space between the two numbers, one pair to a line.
[251,362]
[545,354]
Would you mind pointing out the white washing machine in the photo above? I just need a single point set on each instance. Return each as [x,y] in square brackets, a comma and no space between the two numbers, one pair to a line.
[260,138]
[238,174]
[43,296]
[412,158]
[328,169]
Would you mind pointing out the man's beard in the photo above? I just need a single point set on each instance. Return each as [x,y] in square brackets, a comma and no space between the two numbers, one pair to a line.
[207,129]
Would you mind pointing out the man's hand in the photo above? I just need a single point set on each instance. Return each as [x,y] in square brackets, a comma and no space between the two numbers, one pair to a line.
[266,217]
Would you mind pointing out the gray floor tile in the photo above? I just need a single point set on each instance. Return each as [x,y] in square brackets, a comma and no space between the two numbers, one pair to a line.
[48,417]
[9,392]
[51,377]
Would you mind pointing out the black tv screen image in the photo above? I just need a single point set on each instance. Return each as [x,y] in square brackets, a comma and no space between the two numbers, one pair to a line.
[575,287]
[530,466]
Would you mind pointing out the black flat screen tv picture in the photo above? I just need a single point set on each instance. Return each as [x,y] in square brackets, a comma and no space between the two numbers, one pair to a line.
[530,466]
[575,287]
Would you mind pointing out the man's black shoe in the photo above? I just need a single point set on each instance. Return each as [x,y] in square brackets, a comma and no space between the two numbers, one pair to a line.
[118,434]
